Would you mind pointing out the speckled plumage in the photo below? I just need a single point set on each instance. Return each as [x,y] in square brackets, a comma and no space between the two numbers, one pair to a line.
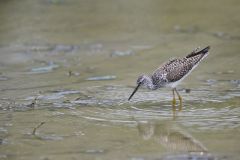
[176,68]
[172,72]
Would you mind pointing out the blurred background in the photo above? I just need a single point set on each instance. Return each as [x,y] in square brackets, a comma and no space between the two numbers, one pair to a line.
[67,68]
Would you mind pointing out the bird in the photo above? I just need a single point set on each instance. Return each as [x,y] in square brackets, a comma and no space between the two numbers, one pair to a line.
[171,73]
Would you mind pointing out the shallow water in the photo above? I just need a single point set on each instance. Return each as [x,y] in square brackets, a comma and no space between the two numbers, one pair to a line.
[67,69]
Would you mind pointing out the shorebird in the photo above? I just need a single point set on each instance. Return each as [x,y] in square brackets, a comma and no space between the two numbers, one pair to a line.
[171,73]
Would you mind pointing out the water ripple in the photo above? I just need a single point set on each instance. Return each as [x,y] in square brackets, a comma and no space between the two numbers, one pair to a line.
[203,108]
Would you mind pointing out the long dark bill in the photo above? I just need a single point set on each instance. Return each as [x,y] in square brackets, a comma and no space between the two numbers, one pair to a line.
[135,90]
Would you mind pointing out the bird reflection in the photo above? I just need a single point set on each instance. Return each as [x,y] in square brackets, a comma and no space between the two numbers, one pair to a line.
[170,136]
[176,110]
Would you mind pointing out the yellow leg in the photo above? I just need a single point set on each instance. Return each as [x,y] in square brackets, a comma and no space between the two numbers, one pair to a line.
[174,100]
[180,99]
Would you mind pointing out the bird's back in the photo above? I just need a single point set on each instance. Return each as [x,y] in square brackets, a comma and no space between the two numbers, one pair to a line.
[175,69]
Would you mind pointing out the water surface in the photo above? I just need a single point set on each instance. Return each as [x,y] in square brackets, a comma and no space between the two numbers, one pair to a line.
[67,69]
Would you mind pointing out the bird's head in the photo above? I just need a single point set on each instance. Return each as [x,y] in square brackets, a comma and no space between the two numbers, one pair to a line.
[142,80]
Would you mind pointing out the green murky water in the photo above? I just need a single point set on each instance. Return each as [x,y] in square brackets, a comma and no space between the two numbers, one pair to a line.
[72,65]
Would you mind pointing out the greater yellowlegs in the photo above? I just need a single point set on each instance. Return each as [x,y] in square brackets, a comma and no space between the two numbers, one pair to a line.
[171,73]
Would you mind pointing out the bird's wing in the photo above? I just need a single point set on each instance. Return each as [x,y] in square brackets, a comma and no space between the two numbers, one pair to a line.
[196,52]
[161,73]
[177,69]
[162,66]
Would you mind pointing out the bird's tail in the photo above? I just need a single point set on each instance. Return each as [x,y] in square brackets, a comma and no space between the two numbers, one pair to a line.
[194,53]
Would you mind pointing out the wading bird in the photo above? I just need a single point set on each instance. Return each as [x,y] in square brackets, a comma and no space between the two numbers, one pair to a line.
[171,73]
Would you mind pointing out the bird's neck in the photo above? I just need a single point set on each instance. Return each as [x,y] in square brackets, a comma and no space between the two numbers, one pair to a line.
[149,83]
